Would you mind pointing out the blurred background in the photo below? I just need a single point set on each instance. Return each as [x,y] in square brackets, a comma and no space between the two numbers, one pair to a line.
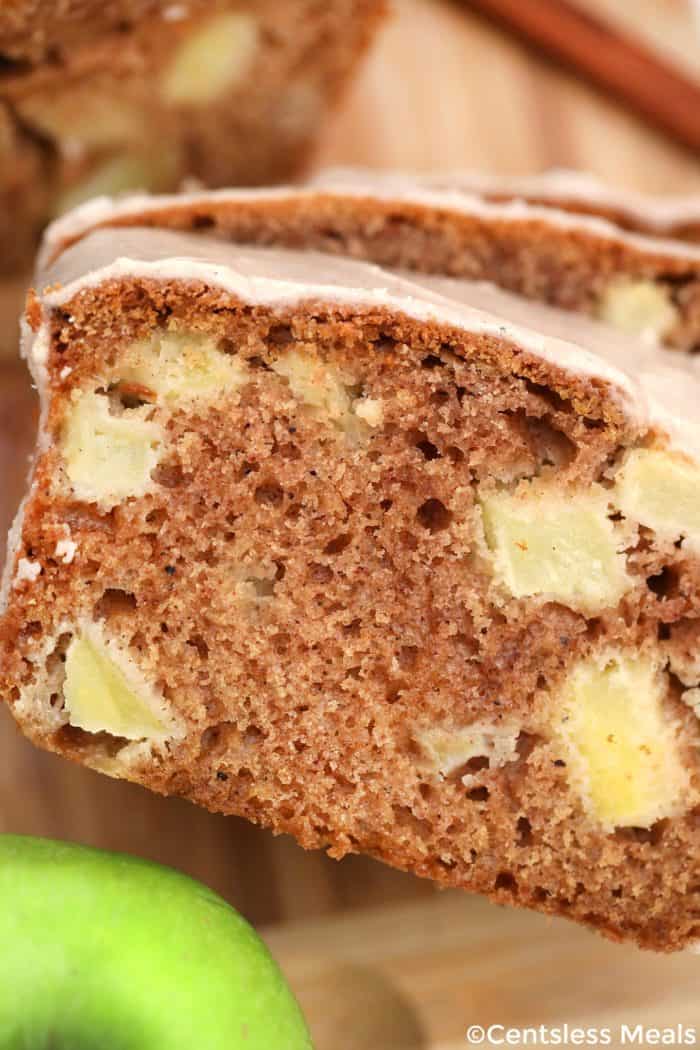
[381,960]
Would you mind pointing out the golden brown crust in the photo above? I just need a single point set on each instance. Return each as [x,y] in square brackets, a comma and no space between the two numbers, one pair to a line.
[366,614]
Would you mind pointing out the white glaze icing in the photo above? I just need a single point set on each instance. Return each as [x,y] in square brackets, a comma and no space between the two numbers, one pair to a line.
[657,387]
[661,213]
[436,192]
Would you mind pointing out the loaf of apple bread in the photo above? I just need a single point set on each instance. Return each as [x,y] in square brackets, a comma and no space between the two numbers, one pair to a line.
[139,94]
[101,98]
[641,283]
[402,567]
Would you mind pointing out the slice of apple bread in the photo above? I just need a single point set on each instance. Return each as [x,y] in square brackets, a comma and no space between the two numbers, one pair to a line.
[632,279]
[347,555]
[677,217]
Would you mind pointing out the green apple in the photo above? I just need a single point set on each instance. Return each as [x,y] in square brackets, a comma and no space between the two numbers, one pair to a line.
[105,950]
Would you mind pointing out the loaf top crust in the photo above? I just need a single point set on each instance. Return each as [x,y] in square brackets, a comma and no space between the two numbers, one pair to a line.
[445,193]
[654,387]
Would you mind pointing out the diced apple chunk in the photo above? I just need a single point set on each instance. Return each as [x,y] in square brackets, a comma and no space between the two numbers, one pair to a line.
[181,366]
[108,457]
[315,383]
[77,119]
[620,746]
[662,491]
[100,698]
[450,750]
[556,544]
[642,308]
[120,173]
[255,584]
[212,59]
[329,393]
[370,410]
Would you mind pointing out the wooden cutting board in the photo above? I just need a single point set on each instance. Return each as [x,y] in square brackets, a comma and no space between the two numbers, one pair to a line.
[416,976]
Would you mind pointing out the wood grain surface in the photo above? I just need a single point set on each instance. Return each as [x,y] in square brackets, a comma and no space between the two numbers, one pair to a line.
[416,976]
[443,89]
